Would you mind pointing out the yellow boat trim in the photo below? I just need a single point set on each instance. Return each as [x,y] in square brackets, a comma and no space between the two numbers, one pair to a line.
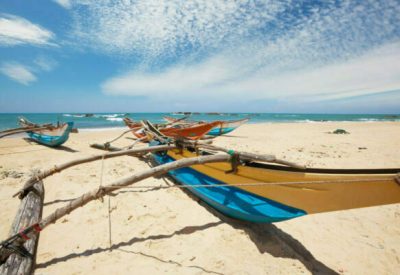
[364,191]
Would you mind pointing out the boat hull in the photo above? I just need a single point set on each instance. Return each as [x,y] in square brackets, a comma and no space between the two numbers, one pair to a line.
[222,128]
[52,138]
[231,201]
[270,193]
[192,132]
[220,131]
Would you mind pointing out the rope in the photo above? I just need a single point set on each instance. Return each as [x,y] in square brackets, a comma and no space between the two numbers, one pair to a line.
[134,143]
[109,222]
[250,184]
[120,136]
[101,190]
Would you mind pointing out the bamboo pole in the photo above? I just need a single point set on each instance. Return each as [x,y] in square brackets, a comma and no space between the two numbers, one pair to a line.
[20,130]
[108,147]
[15,129]
[243,155]
[59,168]
[31,231]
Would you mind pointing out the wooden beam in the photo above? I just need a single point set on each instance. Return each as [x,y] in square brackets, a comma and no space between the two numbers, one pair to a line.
[29,212]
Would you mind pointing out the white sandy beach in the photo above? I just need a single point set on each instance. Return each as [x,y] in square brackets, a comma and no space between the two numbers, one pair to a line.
[169,231]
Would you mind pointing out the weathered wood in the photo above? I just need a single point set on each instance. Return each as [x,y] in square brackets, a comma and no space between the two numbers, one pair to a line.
[20,130]
[106,190]
[243,155]
[29,212]
[59,168]
[106,147]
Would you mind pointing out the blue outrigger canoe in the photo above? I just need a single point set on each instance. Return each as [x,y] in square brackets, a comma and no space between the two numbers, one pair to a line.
[52,136]
[265,193]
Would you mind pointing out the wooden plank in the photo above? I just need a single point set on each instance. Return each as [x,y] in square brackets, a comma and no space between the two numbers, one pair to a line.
[29,212]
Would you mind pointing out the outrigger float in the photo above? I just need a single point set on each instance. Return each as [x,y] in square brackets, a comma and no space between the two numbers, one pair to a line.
[246,186]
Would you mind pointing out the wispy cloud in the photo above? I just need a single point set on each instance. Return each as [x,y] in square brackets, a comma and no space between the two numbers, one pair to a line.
[18,72]
[45,63]
[220,77]
[15,30]
[299,28]
[64,3]
[154,28]
[264,49]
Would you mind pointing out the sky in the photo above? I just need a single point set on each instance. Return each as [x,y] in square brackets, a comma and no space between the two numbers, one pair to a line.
[288,56]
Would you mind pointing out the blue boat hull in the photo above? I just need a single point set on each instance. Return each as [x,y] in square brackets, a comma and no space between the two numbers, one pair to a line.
[219,131]
[230,200]
[52,141]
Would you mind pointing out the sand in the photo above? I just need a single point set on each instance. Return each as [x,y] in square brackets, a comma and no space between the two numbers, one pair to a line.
[169,231]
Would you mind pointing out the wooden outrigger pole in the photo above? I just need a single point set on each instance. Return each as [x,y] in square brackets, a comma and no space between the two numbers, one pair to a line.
[21,238]
[19,130]
[24,237]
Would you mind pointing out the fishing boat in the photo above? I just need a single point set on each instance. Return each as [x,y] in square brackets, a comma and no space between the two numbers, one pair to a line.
[48,134]
[227,127]
[223,128]
[187,131]
[265,193]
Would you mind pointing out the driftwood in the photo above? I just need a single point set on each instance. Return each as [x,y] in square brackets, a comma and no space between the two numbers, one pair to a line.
[29,212]
[32,230]
[59,168]
[105,146]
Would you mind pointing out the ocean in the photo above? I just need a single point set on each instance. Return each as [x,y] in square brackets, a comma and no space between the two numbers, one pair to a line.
[113,120]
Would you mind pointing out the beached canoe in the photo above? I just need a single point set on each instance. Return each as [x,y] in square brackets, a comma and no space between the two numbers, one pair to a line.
[52,136]
[264,193]
[192,132]
[224,127]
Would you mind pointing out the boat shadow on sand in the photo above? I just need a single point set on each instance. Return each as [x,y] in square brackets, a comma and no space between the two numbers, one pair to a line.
[267,237]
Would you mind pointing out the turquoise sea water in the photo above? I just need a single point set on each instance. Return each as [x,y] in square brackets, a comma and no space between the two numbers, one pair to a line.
[109,120]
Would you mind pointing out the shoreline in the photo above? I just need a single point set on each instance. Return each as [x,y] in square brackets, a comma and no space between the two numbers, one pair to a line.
[121,127]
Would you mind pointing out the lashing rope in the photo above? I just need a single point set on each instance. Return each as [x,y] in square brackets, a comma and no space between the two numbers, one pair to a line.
[251,184]
[100,194]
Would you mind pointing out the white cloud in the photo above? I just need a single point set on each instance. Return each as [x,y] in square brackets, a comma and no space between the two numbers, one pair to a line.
[45,63]
[220,77]
[64,3]
[16,30]
[154,27]
[18,72]
[236,50]
[318,31]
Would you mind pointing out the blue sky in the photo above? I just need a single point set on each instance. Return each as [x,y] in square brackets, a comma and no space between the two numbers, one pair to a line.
[233,56]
